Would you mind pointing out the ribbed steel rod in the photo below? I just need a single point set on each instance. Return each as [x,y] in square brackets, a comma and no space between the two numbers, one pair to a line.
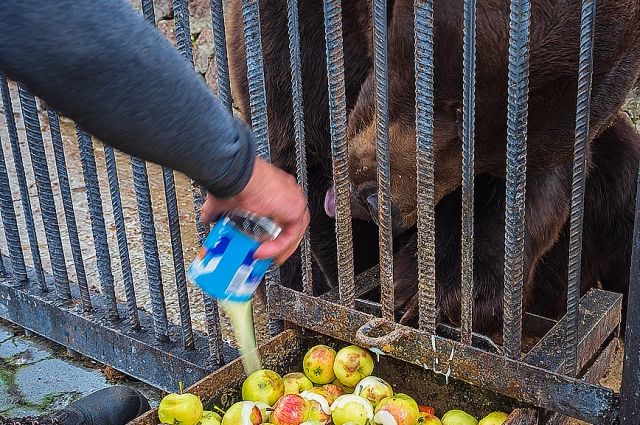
[183,38]
[69,213]
[516,175]
[339,148]
[468,134]
[45,193]
[383,158]
[10,224]
[583,108]
[22,183]
[121,234]
[174,231]
[221,59]
[298,127]
[94,199]
[424,69]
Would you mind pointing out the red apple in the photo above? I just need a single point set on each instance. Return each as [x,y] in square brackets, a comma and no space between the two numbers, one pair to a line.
[318,364]
[291,409]
[397,410]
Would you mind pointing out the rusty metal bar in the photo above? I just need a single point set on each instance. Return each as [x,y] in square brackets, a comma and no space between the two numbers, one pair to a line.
[22,182]
[516,175]
[121,234]
[94,200]
[494,372]
[174,229]
[183,38]
[468,130]
[45,193]
[258,104]
[630,408]
[10,224]
[69,213]
[382,156]
[220,49]
[424,69]
[298,127]
[339,148]
[580,153]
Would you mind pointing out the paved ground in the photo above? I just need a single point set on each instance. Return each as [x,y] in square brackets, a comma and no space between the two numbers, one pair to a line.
[37,376]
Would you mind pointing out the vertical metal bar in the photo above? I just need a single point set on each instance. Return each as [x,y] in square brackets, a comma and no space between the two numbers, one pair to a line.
[123,247]
[258,103]
[382,154]
[630,407]
[174,231]
[150,247]
[183,38]
[10,224]
[45,193]
[298,127]
[22,183]
[583,108]
[468,130]
[98,229]
[424,69]
[339,148]
[220,48]
[516,175]
[69,213]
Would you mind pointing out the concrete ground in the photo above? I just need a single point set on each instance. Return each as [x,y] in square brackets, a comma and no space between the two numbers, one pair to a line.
[38,376]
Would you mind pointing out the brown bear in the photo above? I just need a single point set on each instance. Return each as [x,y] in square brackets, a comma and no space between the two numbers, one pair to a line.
[552,99]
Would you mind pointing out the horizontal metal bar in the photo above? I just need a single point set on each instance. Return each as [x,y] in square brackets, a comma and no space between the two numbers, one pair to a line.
[136,353]
[599,317]
[512,378]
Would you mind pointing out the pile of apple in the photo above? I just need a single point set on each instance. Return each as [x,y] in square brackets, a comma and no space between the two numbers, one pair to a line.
[335,388]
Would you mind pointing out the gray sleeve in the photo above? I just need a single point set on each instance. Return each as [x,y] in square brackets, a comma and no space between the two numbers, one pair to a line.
[102,64]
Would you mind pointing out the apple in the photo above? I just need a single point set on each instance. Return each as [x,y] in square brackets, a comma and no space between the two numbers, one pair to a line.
[265,411]
[345,389]
[399,409]
[458,417]
[494,418]
[425,418]
[333,390]
[210,418]
[352,364]
[182,409]
[243,413]
[291,409]
[296,382]
[318,364]
[351,408]
[373,389]
[311,423]
[427,409]
[319,400]
[263,385]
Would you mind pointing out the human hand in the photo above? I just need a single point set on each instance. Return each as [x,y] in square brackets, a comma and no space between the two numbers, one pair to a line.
[270,193]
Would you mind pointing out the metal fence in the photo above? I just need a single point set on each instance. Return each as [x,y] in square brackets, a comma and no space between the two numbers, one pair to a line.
[161,347]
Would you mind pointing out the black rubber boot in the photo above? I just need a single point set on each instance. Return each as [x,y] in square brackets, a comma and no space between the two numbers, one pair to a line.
[109,406]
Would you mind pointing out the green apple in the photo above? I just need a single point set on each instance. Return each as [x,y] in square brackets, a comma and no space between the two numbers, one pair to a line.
[319,400]
[352,364]
[263,385]
[345,389]
[290,409]
[494,418]
[311,423]
[265,410]
[373,389]
[318,364]
[210,418]
[333,390]
[458,417]
[397,410]
[296,382]
[243,413]
[180,409]
[351,408]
